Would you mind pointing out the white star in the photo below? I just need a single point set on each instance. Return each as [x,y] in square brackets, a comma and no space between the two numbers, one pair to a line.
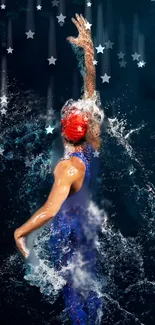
[61,18]
[3,100]
[30,34]
[89,4]
[39,7]
[96,153]
[79,128]
[27,163]
[109,44]
[87,25]
[123,64]
[1,151]
[10,50]
[100,49]
[121,55]
[105,78]
[3,6]
[141,64]
[95,62]
[55,3]
[135,56]
[51,111]
[49,129]
[3,111]
[52,60]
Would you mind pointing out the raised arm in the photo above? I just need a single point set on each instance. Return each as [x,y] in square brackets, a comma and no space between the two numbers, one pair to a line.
[84,40]
[65,174]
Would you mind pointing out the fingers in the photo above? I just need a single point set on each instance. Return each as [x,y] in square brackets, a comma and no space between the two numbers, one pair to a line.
[79,20]
[83,19]
[76,23]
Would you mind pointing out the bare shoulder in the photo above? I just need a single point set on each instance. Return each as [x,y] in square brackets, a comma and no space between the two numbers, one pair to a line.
[69,167]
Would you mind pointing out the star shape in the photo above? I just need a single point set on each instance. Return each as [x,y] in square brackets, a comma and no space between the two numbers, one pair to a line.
[141,64]
[27,163]
[109,44]
[3,6]
[10,50]
[49,129]
[87,25]
[123,64]
[135,56]
[1,151]
[121,55]
[3,100]
[100,48]
[52,60]
[55,3]
[96,153]
[79,128]
[105,78]
[3,111]
[39,7]
[95,62]
[89,4]
[61,18]
[29,34]
[51,112]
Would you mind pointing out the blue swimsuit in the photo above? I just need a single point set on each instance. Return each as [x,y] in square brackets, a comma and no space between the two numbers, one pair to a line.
[73,251]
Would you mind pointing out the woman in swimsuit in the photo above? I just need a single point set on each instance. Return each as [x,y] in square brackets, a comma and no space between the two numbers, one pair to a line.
[66,207]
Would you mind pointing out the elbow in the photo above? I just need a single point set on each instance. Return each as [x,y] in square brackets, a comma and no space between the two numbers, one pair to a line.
[16,234]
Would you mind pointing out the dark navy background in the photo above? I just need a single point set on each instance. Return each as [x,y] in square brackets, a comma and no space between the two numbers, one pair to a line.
[28,65]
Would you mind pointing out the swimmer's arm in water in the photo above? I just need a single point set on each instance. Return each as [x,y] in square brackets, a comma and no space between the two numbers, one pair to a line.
[65,174]
[84,40]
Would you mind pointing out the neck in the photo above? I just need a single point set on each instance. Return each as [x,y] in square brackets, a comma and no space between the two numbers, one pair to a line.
[72,148]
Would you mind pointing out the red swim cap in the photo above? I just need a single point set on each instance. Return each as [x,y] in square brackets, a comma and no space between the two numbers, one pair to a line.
[74,125]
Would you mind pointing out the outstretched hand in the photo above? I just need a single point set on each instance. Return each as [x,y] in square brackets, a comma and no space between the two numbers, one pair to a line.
[84,36]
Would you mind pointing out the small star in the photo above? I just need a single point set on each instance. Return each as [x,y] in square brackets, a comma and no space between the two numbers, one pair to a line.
[49,129]
[105,78]
[1,151]
[27,163]
[61,18]
[3,6]
[95,62]
[100,49]
[3,111]
[61,24]
[87,25]
[3,100]
[39,7]
[89,4]
[96,153]
[55,3]
[10,50]
[121,55]
[141,64]
[51,60]
[79,128]
[51,112]
[30,34]
[122,64]
[135,56]
[109,44]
